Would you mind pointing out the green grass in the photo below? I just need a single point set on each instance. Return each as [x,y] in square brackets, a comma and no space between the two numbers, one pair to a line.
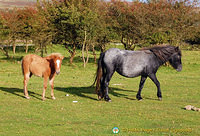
[19,116]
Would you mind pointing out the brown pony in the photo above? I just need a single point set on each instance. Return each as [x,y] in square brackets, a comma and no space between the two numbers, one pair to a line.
[46,67]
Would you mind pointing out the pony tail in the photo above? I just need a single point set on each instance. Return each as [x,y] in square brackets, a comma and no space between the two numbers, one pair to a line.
[99,74]
[22,66]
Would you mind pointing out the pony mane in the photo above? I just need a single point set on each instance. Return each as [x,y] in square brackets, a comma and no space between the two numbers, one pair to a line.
[54,54]
[164,52]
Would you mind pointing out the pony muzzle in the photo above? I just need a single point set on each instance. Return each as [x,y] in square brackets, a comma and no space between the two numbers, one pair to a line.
[58,72]
[179,68]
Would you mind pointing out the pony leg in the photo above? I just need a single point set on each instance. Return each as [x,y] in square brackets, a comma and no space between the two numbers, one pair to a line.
[26,79]
[142,81]
[44,88]
[52,87]
[106,84]
[157,83]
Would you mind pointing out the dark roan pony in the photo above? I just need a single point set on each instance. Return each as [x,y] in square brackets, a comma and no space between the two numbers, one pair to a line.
[46,67]
[144,63]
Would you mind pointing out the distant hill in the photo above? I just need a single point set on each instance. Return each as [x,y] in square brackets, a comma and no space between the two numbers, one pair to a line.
[16,3]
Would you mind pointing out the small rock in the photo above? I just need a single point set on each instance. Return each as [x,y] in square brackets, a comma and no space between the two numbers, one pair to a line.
[188,107]
[194,109]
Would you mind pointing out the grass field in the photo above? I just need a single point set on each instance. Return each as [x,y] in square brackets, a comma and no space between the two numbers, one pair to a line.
[19,116]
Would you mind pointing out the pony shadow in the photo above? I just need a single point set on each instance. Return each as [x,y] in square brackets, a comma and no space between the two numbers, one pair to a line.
[155,99]
[126,96]
[19,92]
[82,91]
[114,92]
[78,91]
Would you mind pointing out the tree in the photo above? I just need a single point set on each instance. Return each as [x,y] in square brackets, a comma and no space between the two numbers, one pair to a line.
[88,26]
[10,18]
[95,26]
[42,30]
[4,33]
[25,20]
[129,24]
[64,16]
[170,21]
[156,22]
[75,24]
[106,25]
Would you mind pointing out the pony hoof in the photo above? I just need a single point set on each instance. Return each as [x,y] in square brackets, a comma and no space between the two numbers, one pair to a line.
[27,97]
[108,100]
[160,98]
[99,98]
[139,98]
[53,98]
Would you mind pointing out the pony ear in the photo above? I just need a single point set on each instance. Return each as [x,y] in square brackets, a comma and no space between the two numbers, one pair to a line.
[62,57]
[48,58]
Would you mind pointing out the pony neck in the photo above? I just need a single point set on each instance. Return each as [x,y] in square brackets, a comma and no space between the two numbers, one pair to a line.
[51,65]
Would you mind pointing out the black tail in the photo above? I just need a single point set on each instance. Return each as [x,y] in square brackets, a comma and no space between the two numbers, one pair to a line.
[22,66]
[99,73]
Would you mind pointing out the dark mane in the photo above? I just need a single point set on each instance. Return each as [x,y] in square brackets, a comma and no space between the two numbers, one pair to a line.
[164,52]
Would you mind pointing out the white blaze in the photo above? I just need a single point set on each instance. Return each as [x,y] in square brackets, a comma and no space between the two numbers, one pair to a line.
[58,63]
